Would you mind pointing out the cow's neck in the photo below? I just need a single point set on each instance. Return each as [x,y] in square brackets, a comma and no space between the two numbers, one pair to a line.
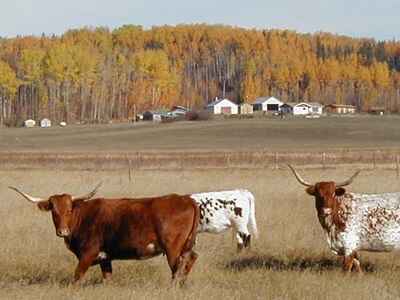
[76,222]
[334,217]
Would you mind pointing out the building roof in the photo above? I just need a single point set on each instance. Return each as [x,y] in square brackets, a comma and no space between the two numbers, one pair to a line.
[340,105]
[261,100]
[309,104]
[217,101]
[290,103]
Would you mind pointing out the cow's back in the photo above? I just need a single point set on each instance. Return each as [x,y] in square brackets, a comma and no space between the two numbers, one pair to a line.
[372,222]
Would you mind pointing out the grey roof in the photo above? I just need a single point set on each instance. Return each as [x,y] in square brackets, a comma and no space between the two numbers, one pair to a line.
[290,103]
[261,100]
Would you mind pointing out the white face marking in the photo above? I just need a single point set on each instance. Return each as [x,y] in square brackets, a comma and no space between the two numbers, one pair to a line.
[151,247]
[102,255]
[327,211]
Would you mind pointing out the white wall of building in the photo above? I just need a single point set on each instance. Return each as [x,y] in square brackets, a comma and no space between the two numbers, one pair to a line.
[223,105]
[306,109]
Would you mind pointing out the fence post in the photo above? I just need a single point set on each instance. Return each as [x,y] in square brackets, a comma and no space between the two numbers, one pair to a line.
[227,159]
[397,166]
[129,168]
[374,160]
[323,160]
[276,160]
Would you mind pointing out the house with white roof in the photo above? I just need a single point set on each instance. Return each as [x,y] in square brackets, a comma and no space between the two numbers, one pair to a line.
[223,106]
[267,104]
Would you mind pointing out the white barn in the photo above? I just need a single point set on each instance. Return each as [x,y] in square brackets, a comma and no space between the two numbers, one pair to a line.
[267,104]
[307,108]
[44,123]
[223,106]
[29,123]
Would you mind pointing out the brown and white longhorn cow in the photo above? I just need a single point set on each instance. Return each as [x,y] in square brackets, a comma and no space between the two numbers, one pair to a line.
[355,222]
[101,230]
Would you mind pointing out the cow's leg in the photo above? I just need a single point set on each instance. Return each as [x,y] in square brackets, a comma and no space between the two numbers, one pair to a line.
[180,264]
[85,261]
[357,264]
[243,238]
[175,262]
[349,261]
[106,269]
[190,262]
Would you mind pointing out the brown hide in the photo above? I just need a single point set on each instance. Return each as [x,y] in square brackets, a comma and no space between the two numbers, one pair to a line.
[127,229]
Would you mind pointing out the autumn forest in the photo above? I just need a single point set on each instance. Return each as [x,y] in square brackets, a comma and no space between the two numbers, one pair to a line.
[98,74]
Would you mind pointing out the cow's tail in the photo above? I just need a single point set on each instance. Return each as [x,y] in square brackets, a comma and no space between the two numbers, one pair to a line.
[191,239]
[252,215]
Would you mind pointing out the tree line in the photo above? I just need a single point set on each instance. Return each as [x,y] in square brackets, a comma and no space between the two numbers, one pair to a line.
[98,74]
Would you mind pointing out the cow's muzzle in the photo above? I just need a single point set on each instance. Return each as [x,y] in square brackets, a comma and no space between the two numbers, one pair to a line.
[64,232]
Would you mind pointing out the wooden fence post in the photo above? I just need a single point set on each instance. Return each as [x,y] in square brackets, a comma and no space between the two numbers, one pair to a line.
[129,168]
[374,160]
[276,160]
[397,166]
[323,160]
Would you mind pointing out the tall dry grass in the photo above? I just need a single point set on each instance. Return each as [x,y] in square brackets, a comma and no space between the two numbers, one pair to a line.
[290,260]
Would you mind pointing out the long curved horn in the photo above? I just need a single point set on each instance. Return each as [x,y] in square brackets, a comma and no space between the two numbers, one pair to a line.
[298,177]
[89,195]
[26,196]
[348,181]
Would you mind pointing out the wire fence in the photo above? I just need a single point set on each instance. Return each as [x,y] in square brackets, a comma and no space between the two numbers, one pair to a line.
[172,160]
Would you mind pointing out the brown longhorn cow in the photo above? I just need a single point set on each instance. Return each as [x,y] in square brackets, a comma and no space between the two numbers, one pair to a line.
[101,230]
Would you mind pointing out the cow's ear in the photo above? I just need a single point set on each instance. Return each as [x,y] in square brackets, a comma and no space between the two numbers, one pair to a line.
[311,190]
[340,191]
[44,205]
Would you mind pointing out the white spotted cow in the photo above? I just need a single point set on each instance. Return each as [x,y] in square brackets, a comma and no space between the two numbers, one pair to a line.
[220,211]
[355,222]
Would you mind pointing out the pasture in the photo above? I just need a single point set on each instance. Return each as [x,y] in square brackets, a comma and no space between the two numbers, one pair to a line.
[290,260]
[271,134]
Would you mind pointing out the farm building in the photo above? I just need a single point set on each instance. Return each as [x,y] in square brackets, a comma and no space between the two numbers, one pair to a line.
[340,109]
[267,104]
[223,106]
[245,108]
[29,123]
[307,108]
[178,111]
[154,116]
[44,123]
[287,108]
[376,110]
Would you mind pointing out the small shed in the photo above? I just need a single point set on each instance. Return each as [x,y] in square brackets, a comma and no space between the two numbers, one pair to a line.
[29,123]
[376,110]
[45,123]
[307,108]
[267,104]
[245,109]
[340,109]
[223,106]
[287,108]
[147,116]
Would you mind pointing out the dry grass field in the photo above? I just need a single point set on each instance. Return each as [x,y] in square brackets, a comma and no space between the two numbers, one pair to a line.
[272,134]
[290,260]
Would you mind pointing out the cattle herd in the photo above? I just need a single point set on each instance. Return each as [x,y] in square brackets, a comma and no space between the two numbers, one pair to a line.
[101,230]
